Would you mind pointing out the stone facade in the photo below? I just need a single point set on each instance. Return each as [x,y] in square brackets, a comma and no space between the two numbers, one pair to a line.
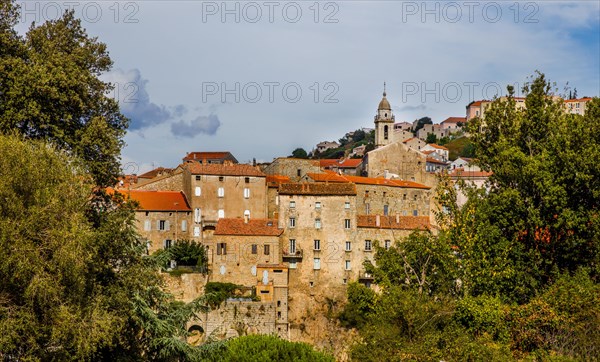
[398,161]
[293,168]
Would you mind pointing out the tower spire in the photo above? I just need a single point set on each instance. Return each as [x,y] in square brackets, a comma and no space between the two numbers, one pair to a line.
[384,89]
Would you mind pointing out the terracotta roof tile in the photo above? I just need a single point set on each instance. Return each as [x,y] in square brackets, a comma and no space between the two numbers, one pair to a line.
[437,146]
[345,163]
[454,120]
[224,169]
[393,222]
[433,160]
[206,155]
[153,173]
[254,227]
[333,177]
[317,189]
[159,200]
[276,180]
[585,99]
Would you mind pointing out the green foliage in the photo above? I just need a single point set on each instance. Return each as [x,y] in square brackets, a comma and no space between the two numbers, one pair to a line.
[361,301]
[431,138]
[74,288]
[49,90]
[217,292]
[255,348]
[188,253]
[422,122]
[459,147]
[299,153]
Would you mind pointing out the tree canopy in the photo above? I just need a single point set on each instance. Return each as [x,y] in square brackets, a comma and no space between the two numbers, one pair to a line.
[50,90]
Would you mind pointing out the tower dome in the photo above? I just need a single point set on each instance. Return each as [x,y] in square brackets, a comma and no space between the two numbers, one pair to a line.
[384,104]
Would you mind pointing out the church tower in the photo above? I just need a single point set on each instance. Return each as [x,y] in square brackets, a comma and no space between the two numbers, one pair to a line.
[384,123]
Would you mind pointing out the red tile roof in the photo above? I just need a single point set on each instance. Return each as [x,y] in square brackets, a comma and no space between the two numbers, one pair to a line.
[159,200]
[585,99]
[207,155]
[333,177]
[393,222]
[224,169]
[455,120]
[437,146]
[433,160]
[317,189]
[477,103]
[254,227]
[153,173]
[461,173]
[346,163]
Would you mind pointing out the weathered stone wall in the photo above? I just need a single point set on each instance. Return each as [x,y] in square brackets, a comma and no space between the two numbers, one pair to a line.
[371,199]
[157,237]
[400,160]
[294,168]
[166,182]
[186,287]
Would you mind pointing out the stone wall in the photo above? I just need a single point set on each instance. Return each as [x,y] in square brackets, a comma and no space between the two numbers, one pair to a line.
[294,168]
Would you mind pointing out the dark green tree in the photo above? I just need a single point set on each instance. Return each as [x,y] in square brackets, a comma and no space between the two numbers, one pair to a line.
[421,122]
[431,138]
[50,90]
[299,153]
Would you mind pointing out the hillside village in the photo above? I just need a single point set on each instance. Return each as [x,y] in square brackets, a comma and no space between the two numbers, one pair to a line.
[291,234]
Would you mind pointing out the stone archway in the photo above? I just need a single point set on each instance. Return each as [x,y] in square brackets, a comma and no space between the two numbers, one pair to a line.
[196,335]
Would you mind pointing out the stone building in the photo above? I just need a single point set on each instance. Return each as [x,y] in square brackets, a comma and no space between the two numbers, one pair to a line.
[210,157]
[398,161]
[384,122]
[227,190]
[293,168]
[347,166]
[162,217]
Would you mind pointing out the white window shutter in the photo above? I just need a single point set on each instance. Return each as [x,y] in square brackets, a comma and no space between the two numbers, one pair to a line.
[167,226]
[157,224]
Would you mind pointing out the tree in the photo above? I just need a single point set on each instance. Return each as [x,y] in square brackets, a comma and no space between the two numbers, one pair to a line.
[299,153]
[421,122]
[49,90]
[72,288]
[431,138]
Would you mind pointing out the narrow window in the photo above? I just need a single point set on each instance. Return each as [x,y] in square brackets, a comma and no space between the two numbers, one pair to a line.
[317,205]
[197,216]
[221,192]
[221,248]
[346,223]
[347,205]
[317,264]
[221,213]
[267,249]
[317,223]
[292,246]
[147,225]
[292,222]
[368,245]
[254,249]
[387,244]
[347,264]
[246,193]
[292,204]
[196,231]
[247,180]
[385,210]
[183,225]
[348,245]
[167,243]
[317,244]
[198,191]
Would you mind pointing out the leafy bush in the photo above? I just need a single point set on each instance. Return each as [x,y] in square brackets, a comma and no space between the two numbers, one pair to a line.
[188,253]
[270,348]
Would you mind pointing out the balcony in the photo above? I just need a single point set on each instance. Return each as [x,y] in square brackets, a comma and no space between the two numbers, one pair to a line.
[297,254]
[364,276]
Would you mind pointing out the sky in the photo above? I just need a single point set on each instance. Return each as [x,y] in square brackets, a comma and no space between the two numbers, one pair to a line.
[260,79]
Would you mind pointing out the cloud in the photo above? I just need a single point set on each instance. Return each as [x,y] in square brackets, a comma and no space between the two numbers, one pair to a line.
[202,124]
[134,100]
[420,107]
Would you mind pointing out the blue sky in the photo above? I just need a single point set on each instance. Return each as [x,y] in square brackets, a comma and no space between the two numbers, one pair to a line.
[212,76]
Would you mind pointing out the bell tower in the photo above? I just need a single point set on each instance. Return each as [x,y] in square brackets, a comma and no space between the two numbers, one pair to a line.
[384,122]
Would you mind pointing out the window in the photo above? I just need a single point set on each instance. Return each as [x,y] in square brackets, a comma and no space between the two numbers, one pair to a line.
[197,216]
[163,225]
[292,222]
[254,249]
[367,208]
[247,213]
[292,246]
[147,225]
[198,177]
[385,131]
[415,213]
[317,223]
[267,249]
[346,223]
[246,193]
[387,244]
[404,197]
[221,248]
[317,263]
[221,192]
[317,244]
[167,243]
[347,265]
[348,245]
[385,210]
[317,205]
[221,178]
[198,191]
[247,180]
[183,225]
[221,213]
[196,230]
[368,245]
[415,197]
[347,205]
[298,172]
[292,204]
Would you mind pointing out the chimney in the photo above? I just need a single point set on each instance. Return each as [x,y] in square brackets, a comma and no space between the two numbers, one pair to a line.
[377,221]
[397,218]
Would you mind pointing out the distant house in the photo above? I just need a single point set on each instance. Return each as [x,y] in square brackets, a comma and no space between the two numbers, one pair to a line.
[464,163]
[440,150]
[451,124]
[326,145]
[435,165]
[415,143]
[576,106]
[349,166]
[358,151]
[435,129]
[472,178]
[159,171]
[210,157]
[404,126]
